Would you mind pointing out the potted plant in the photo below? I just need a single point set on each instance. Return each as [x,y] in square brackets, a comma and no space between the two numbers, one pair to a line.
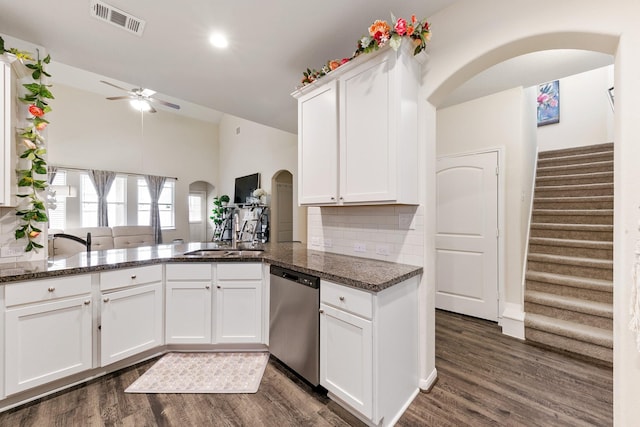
[224,199]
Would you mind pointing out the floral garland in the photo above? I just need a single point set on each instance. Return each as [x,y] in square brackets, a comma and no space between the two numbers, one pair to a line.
[380,34]
[33,210]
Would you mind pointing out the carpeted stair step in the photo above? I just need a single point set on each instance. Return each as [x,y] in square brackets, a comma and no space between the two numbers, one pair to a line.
[564,328]
[564,343]
[571,266]
[584,178]
[583,149]
[584,312]
[589,202]
[605,189]
[576,159]
[606,166]
[566,288]
[580,248]
[572,231]
[573,216]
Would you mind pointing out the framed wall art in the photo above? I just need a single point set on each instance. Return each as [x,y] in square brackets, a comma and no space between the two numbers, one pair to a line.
[548,103]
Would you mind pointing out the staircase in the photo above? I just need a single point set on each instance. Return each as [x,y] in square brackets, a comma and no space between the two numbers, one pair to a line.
[568,282]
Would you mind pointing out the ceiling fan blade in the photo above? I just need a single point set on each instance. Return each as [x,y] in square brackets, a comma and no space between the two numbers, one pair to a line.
[151,109]
[117,87]
[165,103]
[113,98]
[147,92]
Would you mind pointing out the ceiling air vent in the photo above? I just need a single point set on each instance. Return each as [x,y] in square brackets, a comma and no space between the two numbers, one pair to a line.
[117,17]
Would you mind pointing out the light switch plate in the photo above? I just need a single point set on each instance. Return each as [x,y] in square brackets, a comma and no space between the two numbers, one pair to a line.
[360,247]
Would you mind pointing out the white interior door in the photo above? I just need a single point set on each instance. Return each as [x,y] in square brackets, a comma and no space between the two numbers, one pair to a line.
[197,216]
[467,235]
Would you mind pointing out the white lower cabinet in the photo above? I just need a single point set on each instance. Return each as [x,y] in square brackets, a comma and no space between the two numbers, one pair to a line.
[188,304]
[369,349]
[239,300]
[131,316]
[346,357]
[47,331]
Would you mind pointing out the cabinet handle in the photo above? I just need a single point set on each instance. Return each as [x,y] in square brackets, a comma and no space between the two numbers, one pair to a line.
[51,289]
[133,277]
[321,311]
[207,287]
[105,299]
[219,287]
[341,299]
[333,199]
[87,302]
[341,198]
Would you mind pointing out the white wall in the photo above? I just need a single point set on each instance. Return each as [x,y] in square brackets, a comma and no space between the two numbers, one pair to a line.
[498,121]
[586,117]
[247,147]
[456,53]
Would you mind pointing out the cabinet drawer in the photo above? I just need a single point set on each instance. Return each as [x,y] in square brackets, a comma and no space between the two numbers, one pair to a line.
[130,276]
[44,290]
[239,270]
[190,271]
[347,299]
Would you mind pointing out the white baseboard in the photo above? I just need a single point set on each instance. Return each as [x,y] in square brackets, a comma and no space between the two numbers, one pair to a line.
[427,383]
[512,320]
[406,405]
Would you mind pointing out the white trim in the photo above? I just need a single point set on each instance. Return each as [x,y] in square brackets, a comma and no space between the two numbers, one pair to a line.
[512,320]
[402,410]
[426,383]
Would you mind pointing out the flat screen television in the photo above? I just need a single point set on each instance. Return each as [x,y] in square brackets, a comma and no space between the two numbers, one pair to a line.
[245,185]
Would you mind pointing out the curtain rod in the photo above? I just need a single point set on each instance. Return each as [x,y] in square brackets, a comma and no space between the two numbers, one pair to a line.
[117,173]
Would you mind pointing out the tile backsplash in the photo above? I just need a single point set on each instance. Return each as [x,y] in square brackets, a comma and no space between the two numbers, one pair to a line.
[390,233]
[9,246]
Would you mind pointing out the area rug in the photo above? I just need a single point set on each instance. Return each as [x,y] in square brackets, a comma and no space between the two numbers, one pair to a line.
[203,373]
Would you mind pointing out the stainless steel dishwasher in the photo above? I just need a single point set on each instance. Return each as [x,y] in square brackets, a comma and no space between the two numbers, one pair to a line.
[294,326]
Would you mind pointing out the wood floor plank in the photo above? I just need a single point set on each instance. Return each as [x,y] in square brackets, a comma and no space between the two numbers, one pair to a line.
[484,379]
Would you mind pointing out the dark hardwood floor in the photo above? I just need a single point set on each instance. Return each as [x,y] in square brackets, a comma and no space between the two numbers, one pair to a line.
[484,378]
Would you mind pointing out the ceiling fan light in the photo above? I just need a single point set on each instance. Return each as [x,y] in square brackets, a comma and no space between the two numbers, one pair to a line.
[140,105]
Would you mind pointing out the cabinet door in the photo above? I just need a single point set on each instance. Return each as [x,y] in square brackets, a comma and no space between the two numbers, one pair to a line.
[239,312]
[131,322]
[318,146]
[367,154]
[188,312]
[346,358]
[46,342]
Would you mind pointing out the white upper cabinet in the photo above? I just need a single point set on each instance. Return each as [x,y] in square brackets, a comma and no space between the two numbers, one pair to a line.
[371,104]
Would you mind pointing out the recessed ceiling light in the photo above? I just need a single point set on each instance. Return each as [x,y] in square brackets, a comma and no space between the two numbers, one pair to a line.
[219,40]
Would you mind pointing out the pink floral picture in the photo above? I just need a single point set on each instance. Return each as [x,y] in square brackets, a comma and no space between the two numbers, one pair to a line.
[549,103]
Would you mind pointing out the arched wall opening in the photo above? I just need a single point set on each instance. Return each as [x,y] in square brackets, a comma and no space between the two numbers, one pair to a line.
[200,203]
[455,60]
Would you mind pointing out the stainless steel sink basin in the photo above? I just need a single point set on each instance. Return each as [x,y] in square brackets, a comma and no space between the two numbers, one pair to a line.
[226,252]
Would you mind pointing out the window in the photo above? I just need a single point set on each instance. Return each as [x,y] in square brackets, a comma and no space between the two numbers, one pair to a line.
[116,202]
[195,208]
[165,204]
[58,215]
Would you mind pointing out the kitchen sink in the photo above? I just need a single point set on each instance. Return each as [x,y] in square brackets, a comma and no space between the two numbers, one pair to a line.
[226,252]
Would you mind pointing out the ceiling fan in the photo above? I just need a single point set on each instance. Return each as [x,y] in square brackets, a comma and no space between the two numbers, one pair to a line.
[140,98]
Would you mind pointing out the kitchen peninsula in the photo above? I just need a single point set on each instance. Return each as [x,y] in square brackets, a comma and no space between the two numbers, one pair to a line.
[70,320]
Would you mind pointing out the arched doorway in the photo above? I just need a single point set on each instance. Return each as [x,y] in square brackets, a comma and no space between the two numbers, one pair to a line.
[282,206]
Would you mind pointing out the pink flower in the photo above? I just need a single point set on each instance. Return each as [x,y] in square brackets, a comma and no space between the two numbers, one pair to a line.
[36,111]
[34,234]
[29,144]
[344,61]
[41,125]
[401,26]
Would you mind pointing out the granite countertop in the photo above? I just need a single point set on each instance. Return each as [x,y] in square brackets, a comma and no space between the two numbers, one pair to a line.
[363,273]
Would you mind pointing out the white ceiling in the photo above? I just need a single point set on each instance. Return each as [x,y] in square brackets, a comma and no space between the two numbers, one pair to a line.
[271,43]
